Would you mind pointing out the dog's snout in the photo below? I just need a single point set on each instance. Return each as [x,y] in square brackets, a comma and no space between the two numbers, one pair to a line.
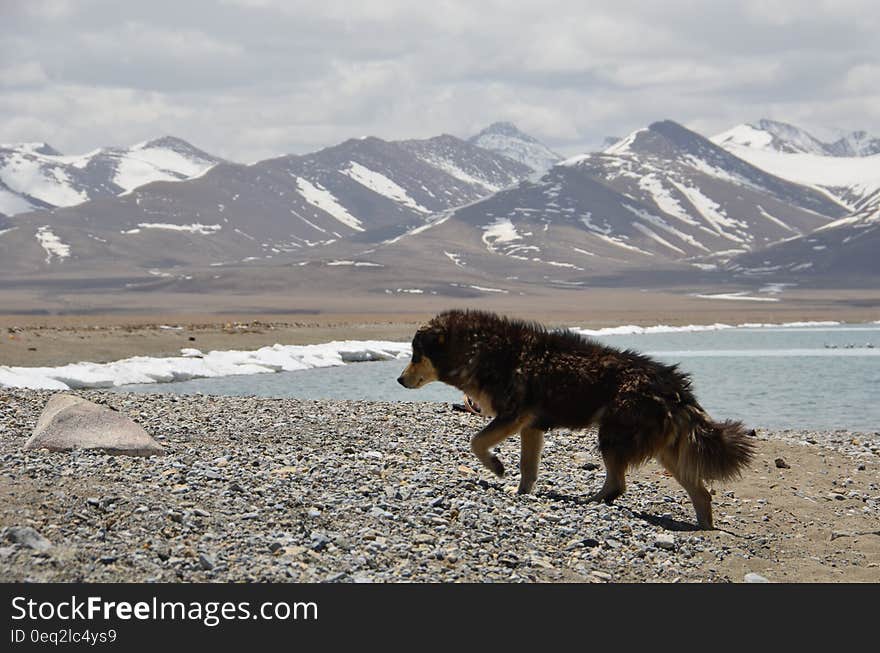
[400,380]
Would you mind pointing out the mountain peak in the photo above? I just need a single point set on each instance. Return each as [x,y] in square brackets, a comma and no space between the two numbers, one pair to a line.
[504,128]
[661,136]
[506,139]
[165,142]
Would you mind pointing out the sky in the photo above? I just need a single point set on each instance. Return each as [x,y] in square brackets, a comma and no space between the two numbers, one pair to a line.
[251,79]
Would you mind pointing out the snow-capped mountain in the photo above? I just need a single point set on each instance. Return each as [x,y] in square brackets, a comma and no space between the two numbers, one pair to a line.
[365,190]
[843,251]
[847,169]
[444,216]
[36,176]
[662,201]
[771,135]
[783,137]
[504,138]
[666,191]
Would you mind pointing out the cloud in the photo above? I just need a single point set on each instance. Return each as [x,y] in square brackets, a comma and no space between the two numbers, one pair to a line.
[254,78]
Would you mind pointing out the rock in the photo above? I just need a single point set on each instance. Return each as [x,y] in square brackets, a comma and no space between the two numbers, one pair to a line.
[69,422]
[27,536]
[665,541]
[752,577]
[206,562]
[781,464]
[361,578]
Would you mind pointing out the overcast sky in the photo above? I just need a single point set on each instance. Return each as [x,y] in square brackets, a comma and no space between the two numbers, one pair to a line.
[248,79]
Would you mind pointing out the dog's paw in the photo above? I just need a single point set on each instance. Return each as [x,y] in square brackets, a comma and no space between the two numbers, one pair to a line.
[598,497]
[496,466]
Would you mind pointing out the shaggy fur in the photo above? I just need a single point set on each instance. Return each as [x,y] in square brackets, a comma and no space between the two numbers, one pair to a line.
[532,380]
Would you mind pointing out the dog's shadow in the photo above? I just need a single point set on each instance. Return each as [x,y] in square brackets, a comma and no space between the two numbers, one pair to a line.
[666,523]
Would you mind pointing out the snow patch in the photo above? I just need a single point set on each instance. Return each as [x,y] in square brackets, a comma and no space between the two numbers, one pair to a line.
[52,244]
[379,183]
[499,232]
[455,258]
[196,228]
[739,296]
[323,199]
[357,264]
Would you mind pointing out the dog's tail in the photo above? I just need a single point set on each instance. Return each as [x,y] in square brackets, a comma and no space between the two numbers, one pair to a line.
[711,450]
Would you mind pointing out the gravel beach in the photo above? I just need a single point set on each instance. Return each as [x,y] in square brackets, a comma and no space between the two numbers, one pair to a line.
[255,489]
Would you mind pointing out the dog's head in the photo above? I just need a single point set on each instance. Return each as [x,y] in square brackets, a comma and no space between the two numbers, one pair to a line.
[428,346]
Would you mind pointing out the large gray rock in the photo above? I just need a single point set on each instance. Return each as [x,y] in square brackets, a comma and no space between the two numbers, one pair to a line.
[27,536]
[69,422]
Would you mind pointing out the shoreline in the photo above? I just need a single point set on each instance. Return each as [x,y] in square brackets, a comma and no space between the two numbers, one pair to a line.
[347,491]
[50,340]
[192,363]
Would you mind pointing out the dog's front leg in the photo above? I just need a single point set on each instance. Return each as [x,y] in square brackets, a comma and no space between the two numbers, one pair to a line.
[532,441]
[495,432]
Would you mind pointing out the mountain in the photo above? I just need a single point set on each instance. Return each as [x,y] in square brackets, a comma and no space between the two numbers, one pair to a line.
[847,169]
[440,216]
[35,175]
[841,252]
[468,162]
[504,138]
[362,190]
[663,203]
[782,137]
[672,192]
[772,135]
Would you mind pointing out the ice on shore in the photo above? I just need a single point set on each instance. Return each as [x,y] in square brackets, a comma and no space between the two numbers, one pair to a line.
[632,329]
[193,364]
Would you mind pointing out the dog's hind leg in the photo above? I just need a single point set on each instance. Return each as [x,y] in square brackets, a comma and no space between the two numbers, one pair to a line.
[698,493]
[531,443]
[615,478]
[496,431]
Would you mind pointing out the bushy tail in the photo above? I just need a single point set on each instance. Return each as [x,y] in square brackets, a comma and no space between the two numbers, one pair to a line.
[715,450]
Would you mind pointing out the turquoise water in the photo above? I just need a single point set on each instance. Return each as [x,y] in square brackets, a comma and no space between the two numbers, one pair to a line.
[787,377]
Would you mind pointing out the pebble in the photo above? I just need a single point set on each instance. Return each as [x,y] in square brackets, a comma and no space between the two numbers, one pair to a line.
[366,492]
[752,577]
[665,541]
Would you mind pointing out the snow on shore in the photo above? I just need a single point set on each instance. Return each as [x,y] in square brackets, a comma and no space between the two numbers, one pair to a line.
[193,364]
[632,329]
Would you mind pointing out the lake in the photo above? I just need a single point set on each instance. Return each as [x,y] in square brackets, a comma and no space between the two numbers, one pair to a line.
[817,377]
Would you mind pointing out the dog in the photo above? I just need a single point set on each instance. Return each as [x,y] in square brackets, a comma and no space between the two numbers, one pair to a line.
[531,380]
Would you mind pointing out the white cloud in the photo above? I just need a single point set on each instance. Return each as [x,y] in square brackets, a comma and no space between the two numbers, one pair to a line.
[25,73]
[253,78]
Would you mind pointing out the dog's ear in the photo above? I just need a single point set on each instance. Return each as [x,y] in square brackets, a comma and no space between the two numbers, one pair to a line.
[432,338]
